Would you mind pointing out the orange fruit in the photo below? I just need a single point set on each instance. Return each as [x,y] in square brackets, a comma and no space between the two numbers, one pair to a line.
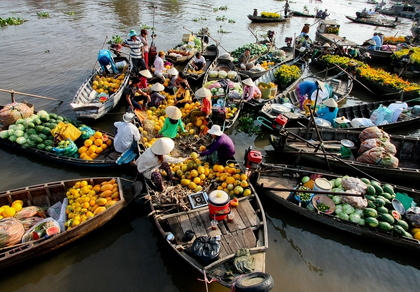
[92,149]
[97,134]
[98,142]
[82,149]
[99,150]
[88,142]
[109,142]
[104,146]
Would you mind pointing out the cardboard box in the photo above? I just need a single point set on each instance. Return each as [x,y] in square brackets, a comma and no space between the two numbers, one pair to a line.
[187,38]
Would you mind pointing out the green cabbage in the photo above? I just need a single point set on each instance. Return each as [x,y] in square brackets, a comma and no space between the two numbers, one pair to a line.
[343,216]
[348,209]
[354,217]
[21,140]
[338,209]
[336,199]
[12,138]
[19,133]
[4,134]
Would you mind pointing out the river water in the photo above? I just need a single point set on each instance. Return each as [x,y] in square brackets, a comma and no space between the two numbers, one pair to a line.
[53,56]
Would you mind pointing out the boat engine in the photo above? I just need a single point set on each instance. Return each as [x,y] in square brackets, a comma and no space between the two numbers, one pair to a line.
[252,157]
[280,122]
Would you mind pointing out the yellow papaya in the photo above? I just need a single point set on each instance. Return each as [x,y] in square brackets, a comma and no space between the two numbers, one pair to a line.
[99,210]
[101,201]
[110,203]
[107,187]
[106,193]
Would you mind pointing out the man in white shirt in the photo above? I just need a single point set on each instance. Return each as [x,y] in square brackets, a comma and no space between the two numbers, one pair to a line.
[198,62]
[126,133]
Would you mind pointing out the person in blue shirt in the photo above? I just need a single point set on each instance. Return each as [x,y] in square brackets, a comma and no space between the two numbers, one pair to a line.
[305,89]
[105,59]
[378,42]
[328,110]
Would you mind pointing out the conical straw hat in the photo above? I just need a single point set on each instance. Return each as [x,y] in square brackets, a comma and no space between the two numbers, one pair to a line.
[203,92]
[158,87]
[173,112]
[162,146]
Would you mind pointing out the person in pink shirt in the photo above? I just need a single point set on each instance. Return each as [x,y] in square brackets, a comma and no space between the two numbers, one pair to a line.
[250,90]
[205,109]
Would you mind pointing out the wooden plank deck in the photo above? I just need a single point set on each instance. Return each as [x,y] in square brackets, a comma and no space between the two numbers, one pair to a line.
[234,235]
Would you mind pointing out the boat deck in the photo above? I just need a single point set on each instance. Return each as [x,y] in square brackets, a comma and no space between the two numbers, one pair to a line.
[233,235]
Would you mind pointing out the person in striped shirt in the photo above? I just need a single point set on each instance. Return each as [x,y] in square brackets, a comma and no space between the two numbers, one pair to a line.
[137,51]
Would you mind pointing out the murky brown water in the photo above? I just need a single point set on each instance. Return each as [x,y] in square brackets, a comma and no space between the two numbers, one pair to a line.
[52,57]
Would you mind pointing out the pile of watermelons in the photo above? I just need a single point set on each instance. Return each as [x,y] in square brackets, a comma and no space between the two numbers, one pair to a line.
[379,212]
[35,131]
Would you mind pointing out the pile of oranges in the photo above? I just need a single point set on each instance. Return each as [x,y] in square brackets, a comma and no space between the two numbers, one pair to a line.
[194,174]
[94,145]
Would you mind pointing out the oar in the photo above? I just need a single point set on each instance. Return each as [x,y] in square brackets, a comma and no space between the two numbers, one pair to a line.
[106,37]
[12,92]
[355,79]
[256,37]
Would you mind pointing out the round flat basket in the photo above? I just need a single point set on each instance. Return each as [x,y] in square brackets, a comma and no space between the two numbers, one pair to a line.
[320,122]
[324,200]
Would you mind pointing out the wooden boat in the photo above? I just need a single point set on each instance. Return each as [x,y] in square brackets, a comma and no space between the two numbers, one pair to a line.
[372,21]
[107,158]
[178,56]
[399,9]
[341,84]
[254,74]
[260,19]
[293,142]
[248,230]
[87,103]
[365,111]
[217,117]
[328,30]
[257,104]
[45,196]
[276,180]
[303,14]
[388,91]
[211,53]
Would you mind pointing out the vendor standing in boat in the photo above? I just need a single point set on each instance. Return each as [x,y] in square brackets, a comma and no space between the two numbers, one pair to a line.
[136,51]
[155,158]
[222,147]
[127,133]
[244,62]
[143,38]
[286,8]
[250,90]
[105,59]
[172,123]
[328,110]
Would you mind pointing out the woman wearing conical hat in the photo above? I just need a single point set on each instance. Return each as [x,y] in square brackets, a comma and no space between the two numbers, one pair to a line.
[250,90]
[157,157]
[172,123]
[328,110]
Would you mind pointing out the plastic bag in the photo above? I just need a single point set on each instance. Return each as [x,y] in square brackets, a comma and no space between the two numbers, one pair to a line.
[30,212]
[11,112]
[40,229]
[355,201]
[30,221]
[361,122]
[373,132]
[65,131]
[54,210]
[413,218]
[369,144]
[378,156]
[382,115]
[206,249]
[353,183]
[11,231]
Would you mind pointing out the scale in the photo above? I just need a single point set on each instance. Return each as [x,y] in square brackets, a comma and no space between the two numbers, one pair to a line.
[198,200]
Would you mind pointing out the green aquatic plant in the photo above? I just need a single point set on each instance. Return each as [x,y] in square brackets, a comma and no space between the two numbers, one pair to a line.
[11,21]
[43,14]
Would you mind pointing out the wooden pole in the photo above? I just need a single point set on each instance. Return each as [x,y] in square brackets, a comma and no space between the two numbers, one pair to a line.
[12,92]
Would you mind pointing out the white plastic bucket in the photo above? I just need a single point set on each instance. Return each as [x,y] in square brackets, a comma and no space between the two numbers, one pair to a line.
[322,184]
[121,65]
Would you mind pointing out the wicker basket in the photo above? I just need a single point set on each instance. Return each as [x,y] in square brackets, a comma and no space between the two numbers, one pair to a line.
[325,200]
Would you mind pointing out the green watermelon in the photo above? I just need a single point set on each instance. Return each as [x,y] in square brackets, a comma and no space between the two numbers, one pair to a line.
[387,218]
[385,226]
[370,212]
[372,222]
[402,223]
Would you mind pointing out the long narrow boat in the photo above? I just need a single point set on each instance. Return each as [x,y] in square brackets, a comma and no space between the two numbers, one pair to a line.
[105,158]
[44,196]
[372,21]
[257,104]
[248,231]
[219,117]
[276,182]
[340,83]
[301,143]
[211,53]
[254,74]
[365,110]
[303,14]
[90,104]
[260,19]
